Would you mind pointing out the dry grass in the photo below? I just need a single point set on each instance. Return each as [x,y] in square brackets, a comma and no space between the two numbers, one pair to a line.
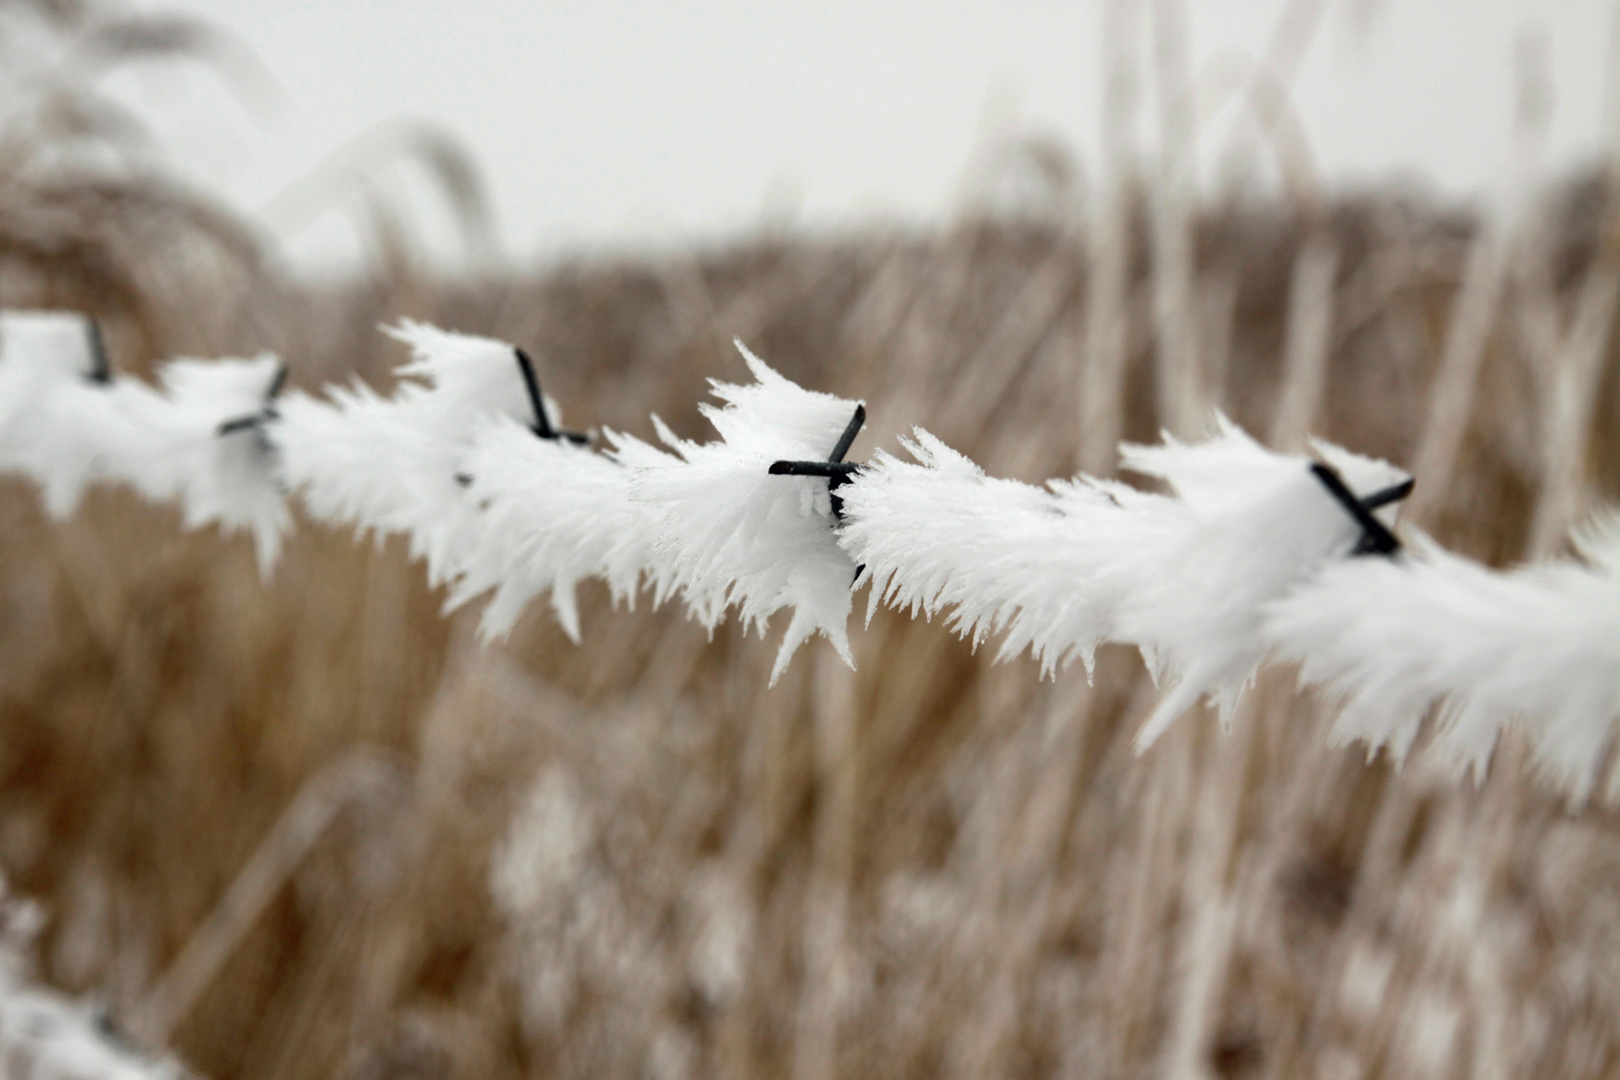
[631,859]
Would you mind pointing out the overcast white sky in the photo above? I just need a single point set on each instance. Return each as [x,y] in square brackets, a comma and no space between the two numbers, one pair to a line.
[612,124]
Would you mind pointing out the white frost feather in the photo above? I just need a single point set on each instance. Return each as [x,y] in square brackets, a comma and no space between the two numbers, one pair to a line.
[390,464]
[179,454]
[1250,525]
[1046,565]
[549,515]
[1540,645]
[1244,557]
[56,426]
[65,431]
[732,534]
[359,458]
[469,375]
[1060,570]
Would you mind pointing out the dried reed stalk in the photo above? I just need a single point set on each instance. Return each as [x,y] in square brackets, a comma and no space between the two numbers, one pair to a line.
[357,778]
[1308,339]
[1107,337]
[1475,307]
[1179,375]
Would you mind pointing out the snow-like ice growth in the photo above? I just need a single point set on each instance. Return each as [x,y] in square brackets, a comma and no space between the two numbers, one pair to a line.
[1048,567]
[57,426]
[1540,645]
[49,1036]
[1244,553]
[1062,569]
[180,453]
[65,423]
[1249,525]
[730,533]
[550,514]
[394,464]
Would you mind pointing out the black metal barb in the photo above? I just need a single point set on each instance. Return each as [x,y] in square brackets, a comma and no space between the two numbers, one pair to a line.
[1376,539]
[847,439]
[100,370]
[835,469]
[1393,493]
[267,411]
[240,423]
[542,423]
[832,470]
[278,383]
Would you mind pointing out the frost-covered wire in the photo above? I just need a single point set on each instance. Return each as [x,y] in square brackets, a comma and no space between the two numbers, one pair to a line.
[1539,645]
[732,534]
[1002,556]
[57,422]
[391,464]
[66,422]
[549,515]
[1247,526]
[199,441]
[1182,576]
[48,1035]
[1239,555]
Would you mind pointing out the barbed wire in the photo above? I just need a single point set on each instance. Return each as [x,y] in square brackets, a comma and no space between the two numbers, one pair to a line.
[1247,556]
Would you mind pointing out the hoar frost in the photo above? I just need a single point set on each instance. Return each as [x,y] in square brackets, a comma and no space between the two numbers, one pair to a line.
[1540,645]
[1045,566]
[1246,525]
[1062,569]
[1244,555]
[731,534]
[391,464]
[65,429]
[550,515]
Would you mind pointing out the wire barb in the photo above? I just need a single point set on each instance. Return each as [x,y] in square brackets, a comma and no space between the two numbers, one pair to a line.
[1376,539]
[267,412]
[100,370]
[832,470]
[835,469]
[847,439]
[542,424]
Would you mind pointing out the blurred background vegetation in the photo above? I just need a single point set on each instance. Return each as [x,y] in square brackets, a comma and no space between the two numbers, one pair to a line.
[309,828]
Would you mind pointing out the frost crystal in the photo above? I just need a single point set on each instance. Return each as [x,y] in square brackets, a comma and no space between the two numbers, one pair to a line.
[56,426]
[47,1035]
[1046,565]
[390,464]
[1242,556]
[732,534]
[550,514]
[65,429]
[1060,570]
[180,453]
[1540,644]
[1247,526]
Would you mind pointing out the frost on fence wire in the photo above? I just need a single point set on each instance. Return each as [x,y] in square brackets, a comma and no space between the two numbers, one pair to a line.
[65,423]
[1248,554]
[1540,644]
[393,464]
[1183,576]
[550,514]
[729,533]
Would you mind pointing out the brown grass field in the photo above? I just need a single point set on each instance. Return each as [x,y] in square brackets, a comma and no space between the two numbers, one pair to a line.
[310,828]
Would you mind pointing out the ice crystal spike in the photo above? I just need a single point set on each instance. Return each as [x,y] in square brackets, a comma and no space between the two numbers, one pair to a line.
[1539,645]
[732,534]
